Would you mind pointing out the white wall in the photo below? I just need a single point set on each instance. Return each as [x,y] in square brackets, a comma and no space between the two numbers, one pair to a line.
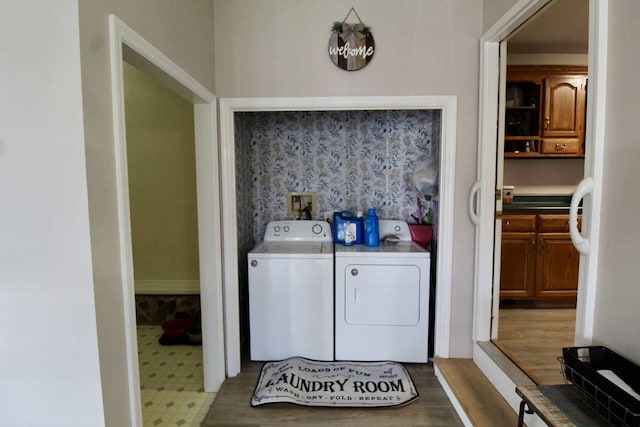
[162,184]
[618,291]
[183,32]
[548,59]
[278,48]
[543,171]
[49,371]
[492,10]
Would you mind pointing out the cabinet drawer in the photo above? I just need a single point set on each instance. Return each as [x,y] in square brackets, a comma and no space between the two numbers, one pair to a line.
[555,222]
[560,146]
[518,223]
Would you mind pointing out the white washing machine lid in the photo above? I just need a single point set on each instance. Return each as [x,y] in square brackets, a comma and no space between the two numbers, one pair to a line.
[400,250]
[280,249]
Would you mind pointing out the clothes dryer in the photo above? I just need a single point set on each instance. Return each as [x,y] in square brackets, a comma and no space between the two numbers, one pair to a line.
[382,299]
[291,292]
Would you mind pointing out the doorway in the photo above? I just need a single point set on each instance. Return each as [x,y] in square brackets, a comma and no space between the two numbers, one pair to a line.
[482,197]
[127,45]
[536,267]
[164,230]
[228,107]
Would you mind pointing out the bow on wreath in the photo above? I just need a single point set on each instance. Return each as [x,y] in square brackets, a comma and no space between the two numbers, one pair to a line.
[352,32]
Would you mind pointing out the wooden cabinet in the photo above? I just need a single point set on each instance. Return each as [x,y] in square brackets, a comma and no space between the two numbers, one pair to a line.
[518,256]
[518,261]
[545,111]
[558,260]
[564,107]
[557,270]
[538,260]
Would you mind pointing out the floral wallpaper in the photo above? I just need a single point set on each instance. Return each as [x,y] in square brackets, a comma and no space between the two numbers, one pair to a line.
[244,218]
[352,160]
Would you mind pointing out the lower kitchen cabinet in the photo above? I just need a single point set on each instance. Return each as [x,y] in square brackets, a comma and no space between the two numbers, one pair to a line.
[518,273]
[557,271]
[538,260]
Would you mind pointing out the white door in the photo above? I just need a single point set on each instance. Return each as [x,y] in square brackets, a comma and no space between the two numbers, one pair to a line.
[291,308]
[382,294]
[495,311]
[482,197]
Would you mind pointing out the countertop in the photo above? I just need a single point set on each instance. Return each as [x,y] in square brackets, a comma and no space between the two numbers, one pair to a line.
[544,190]
[540,198]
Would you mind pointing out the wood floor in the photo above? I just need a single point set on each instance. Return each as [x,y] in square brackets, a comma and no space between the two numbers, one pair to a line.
[231,407]
[534,338]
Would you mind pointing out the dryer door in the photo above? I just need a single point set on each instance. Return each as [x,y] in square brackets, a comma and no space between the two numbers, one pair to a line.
[382,294]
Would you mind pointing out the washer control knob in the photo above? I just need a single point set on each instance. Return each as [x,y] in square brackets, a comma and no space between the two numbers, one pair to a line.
[286,228]
[397,228]
[254,263]
[317,229]
[276,228]
[354,272]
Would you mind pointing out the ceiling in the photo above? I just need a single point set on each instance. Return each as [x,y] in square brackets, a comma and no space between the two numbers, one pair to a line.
[561,27]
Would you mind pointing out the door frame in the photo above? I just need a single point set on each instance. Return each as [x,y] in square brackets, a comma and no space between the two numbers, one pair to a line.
[229,106]
[485,209]
[125,43]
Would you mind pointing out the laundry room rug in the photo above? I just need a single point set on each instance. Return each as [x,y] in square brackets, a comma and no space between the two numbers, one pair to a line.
[334,384]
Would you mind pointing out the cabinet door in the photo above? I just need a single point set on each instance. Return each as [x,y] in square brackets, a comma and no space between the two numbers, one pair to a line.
[564,107]
[518,265]
[557,269]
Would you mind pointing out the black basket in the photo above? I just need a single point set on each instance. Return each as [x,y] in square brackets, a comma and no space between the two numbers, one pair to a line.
[581,366]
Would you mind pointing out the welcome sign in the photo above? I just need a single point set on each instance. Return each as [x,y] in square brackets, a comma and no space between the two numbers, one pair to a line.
[351,46]
[337,384]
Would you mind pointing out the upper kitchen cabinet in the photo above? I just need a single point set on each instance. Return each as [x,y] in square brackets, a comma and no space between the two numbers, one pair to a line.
[545,111]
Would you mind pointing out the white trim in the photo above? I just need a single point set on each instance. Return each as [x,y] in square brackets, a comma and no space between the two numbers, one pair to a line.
[126,42]
[483,270]
[448,105]
[119,134]
[444,266]
[167,287]
[209,244]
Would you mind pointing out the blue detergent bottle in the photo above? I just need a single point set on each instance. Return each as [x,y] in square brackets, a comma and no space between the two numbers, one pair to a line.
[371,229]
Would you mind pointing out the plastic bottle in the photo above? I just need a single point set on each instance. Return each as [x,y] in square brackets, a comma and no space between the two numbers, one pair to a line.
[371,229]
[359,228]
[349,233]
[429,217]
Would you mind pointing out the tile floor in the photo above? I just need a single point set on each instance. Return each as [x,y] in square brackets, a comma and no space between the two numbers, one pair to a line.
[171,382]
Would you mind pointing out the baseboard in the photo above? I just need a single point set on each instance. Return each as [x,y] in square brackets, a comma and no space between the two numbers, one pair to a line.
[167,287]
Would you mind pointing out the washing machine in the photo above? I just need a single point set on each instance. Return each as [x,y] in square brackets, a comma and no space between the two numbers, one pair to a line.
[382,299]
[291,292]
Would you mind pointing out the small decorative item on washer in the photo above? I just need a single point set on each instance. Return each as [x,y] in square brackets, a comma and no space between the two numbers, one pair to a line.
[390,240]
